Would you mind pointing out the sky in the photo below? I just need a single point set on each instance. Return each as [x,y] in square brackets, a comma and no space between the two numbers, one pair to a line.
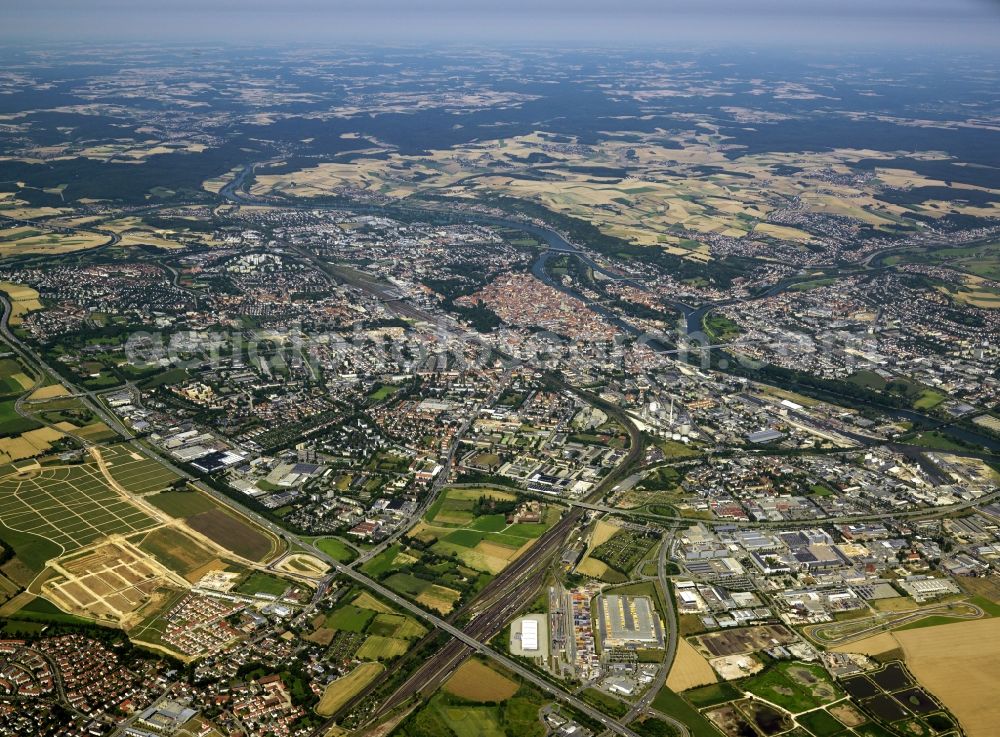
[963,24]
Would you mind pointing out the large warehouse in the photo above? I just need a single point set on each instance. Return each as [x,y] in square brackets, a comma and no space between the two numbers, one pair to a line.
[629,621]
[529,636]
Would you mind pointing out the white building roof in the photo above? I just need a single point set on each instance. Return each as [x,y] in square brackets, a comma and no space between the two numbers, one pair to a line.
[529,634]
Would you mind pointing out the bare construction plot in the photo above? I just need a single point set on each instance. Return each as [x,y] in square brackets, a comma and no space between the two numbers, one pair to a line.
[113,581]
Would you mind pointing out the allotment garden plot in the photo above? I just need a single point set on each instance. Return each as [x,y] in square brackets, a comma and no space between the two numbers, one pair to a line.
[72,506]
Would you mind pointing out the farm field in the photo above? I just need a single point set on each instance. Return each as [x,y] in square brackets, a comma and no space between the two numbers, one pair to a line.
[349,618]
[397,626]
[378,648]
[14,379]
[23,299]
[367,601]
[233,533]
[668,209]
[366,629]
[959,663]
[441,599]
[690,669]
[383,562]
[179,551]
[12,422]
[31,442]
[182,504]
[24,240]
[476,681]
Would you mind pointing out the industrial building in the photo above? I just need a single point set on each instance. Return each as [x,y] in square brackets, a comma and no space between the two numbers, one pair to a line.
[629,621]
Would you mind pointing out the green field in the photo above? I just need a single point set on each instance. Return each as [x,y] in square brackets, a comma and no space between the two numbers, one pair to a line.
[668,702]
[867,379]
[33,551]
[11,423]
[42,610]
[466,538]
[262,583]
[716,693]
[407,584]
[446,714]
[383,392]
[381,563]
[604,702]
[490,523]
[377,647]
[349,618]
[821,723]
[397,626]
[336,549]
[937,440]
[721,328]
[14,380]
[182,504]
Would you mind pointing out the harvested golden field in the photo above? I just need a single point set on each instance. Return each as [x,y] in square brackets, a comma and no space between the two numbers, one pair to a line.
[783,232]
[986,586]
[504,552]
[960,664]
[476,681]
[367,601]
[603,531]
[23,299]
[49,392]
[690,669]
[28,444]
[439,598]
[592,568]
[341,691]
[18,241]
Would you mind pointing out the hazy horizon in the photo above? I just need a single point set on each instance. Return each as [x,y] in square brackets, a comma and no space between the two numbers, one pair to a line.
[875,24]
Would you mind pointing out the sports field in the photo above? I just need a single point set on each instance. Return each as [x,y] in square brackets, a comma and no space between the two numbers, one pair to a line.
[72,506]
